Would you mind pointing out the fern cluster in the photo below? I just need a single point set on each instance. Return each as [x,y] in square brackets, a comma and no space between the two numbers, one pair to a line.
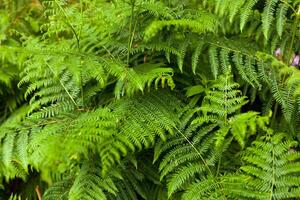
[149,99]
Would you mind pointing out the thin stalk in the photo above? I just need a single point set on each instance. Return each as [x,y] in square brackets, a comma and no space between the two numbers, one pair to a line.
[275,113]
[130,30]
[63,85]
[38,192]
[80,32]
[293,35]
[225,122]
[81,88]
[202,159]
[273,174]
[289,5]
[196,150]
[219,165]
[68,23]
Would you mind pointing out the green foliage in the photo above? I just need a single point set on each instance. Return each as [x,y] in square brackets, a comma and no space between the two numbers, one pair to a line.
[148,99]
[196,151]
[270,168]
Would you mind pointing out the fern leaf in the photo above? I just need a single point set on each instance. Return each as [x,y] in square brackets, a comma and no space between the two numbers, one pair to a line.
[207,188]
[224,59]
[235,8]
[214,62]
[182,175]
[195,57]
[180,59]
[282,96]
[8,147]
[251,72]
[58,190]
[267,16]
[281,17]
[90,185]
[239,64]
[268,169]
[246,11]
[22,148]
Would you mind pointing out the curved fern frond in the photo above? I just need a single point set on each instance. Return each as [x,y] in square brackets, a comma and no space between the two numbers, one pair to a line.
[214,62]
[204,22]
[195,57]
[246,11]
[268,16]
[206,188]
[281,18]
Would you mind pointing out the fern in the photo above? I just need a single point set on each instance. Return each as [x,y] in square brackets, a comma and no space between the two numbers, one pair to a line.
[267,16]
[195,57]
[207,188]
[88,184]
[181,160]
[204,138]
[219,105]
[204,23]
[246,11]
[213,57]
[269,168]
[108,139]
[281,17]
[91,92]
[58,191]
[235,10]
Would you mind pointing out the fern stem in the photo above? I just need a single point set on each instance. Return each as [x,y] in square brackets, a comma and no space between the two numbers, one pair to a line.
[233,50]
[131,33]
[81,88]
[5,112]
[196,150]
[293,35]
[219,165]
[225,118]
[203,160]
[289,5]
[68,23]
[62,84]
[273,173]
[275,113]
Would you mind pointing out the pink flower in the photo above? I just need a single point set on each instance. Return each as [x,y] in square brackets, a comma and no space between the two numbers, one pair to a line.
[277,52]
[296,60]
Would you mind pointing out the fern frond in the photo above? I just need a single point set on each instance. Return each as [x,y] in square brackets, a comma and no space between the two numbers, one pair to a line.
[158,9]
[205,22]
[267,16]
[59,190]
[14,143]
[281,17]
[236,7]
[90,185]
[284,98]
[206,189]
[220,106]
[224,58]
[246,11]
[214,62]
[195,57]
[242,68]
[156,118]
[270,166]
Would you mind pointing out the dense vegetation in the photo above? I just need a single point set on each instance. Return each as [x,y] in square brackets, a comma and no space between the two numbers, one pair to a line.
[149,99]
